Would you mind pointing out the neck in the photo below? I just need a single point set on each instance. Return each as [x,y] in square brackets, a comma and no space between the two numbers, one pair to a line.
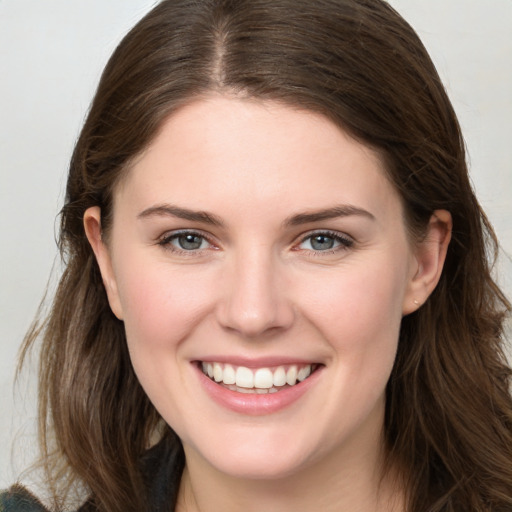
[346,480]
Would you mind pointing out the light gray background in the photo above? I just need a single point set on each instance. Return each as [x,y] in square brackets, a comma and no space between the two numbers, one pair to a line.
[51,56]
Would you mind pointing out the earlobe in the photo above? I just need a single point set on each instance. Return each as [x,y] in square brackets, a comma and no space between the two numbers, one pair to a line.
[429,258]
[92,226]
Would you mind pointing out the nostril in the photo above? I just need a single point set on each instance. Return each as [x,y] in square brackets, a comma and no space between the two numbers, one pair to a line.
[253,323]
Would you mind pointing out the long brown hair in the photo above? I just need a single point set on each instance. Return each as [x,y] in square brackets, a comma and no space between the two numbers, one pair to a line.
[449,409]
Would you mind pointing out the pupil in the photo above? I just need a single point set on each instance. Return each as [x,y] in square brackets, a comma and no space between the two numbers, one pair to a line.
[322,242]
[190,242]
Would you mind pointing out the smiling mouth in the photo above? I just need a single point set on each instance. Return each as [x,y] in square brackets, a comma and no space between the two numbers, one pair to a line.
[258,380]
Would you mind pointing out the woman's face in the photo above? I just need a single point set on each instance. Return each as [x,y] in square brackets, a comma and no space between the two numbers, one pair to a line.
[263,245]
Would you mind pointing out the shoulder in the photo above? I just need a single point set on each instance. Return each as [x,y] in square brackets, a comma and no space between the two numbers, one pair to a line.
[18,499]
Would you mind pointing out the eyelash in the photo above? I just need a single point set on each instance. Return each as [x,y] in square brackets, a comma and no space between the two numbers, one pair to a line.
[166,242]
[344,242]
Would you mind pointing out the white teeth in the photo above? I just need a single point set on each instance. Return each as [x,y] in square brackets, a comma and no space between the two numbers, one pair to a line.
[279,377]
[217,372]
[291,376]
[304,373]
[244,377]
[229,375]
[262,380]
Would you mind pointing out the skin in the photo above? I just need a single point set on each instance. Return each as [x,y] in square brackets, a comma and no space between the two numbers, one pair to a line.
[257,287]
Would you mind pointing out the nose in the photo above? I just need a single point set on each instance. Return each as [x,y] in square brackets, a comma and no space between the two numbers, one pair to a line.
[254,298]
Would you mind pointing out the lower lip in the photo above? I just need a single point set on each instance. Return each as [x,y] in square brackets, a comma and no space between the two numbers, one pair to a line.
[254,404]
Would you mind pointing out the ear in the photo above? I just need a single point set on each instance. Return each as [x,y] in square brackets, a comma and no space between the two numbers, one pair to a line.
[428,260]
[92,226]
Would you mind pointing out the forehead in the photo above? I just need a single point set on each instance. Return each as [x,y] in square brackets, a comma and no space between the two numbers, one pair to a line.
[222,151]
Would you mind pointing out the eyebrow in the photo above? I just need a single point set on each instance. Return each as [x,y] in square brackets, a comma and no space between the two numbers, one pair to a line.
[328,213]
[169,210]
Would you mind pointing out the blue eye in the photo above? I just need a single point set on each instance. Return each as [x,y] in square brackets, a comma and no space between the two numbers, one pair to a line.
[319,242]
[187,241]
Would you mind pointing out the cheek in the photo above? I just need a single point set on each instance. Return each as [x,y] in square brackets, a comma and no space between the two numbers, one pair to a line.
[359,305]
[358,312]
[162,308]
[362,322]
[161,305]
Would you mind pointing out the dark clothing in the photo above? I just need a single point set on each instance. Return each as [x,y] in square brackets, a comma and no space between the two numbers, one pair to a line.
[18,499]
[162,468]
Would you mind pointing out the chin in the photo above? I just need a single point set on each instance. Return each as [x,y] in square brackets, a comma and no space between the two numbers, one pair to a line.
[259,466]
[246,455]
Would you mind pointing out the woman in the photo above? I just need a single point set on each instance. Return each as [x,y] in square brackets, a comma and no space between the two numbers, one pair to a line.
[276,293]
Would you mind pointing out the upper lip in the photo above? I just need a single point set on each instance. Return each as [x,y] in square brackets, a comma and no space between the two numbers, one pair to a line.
[259,362]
